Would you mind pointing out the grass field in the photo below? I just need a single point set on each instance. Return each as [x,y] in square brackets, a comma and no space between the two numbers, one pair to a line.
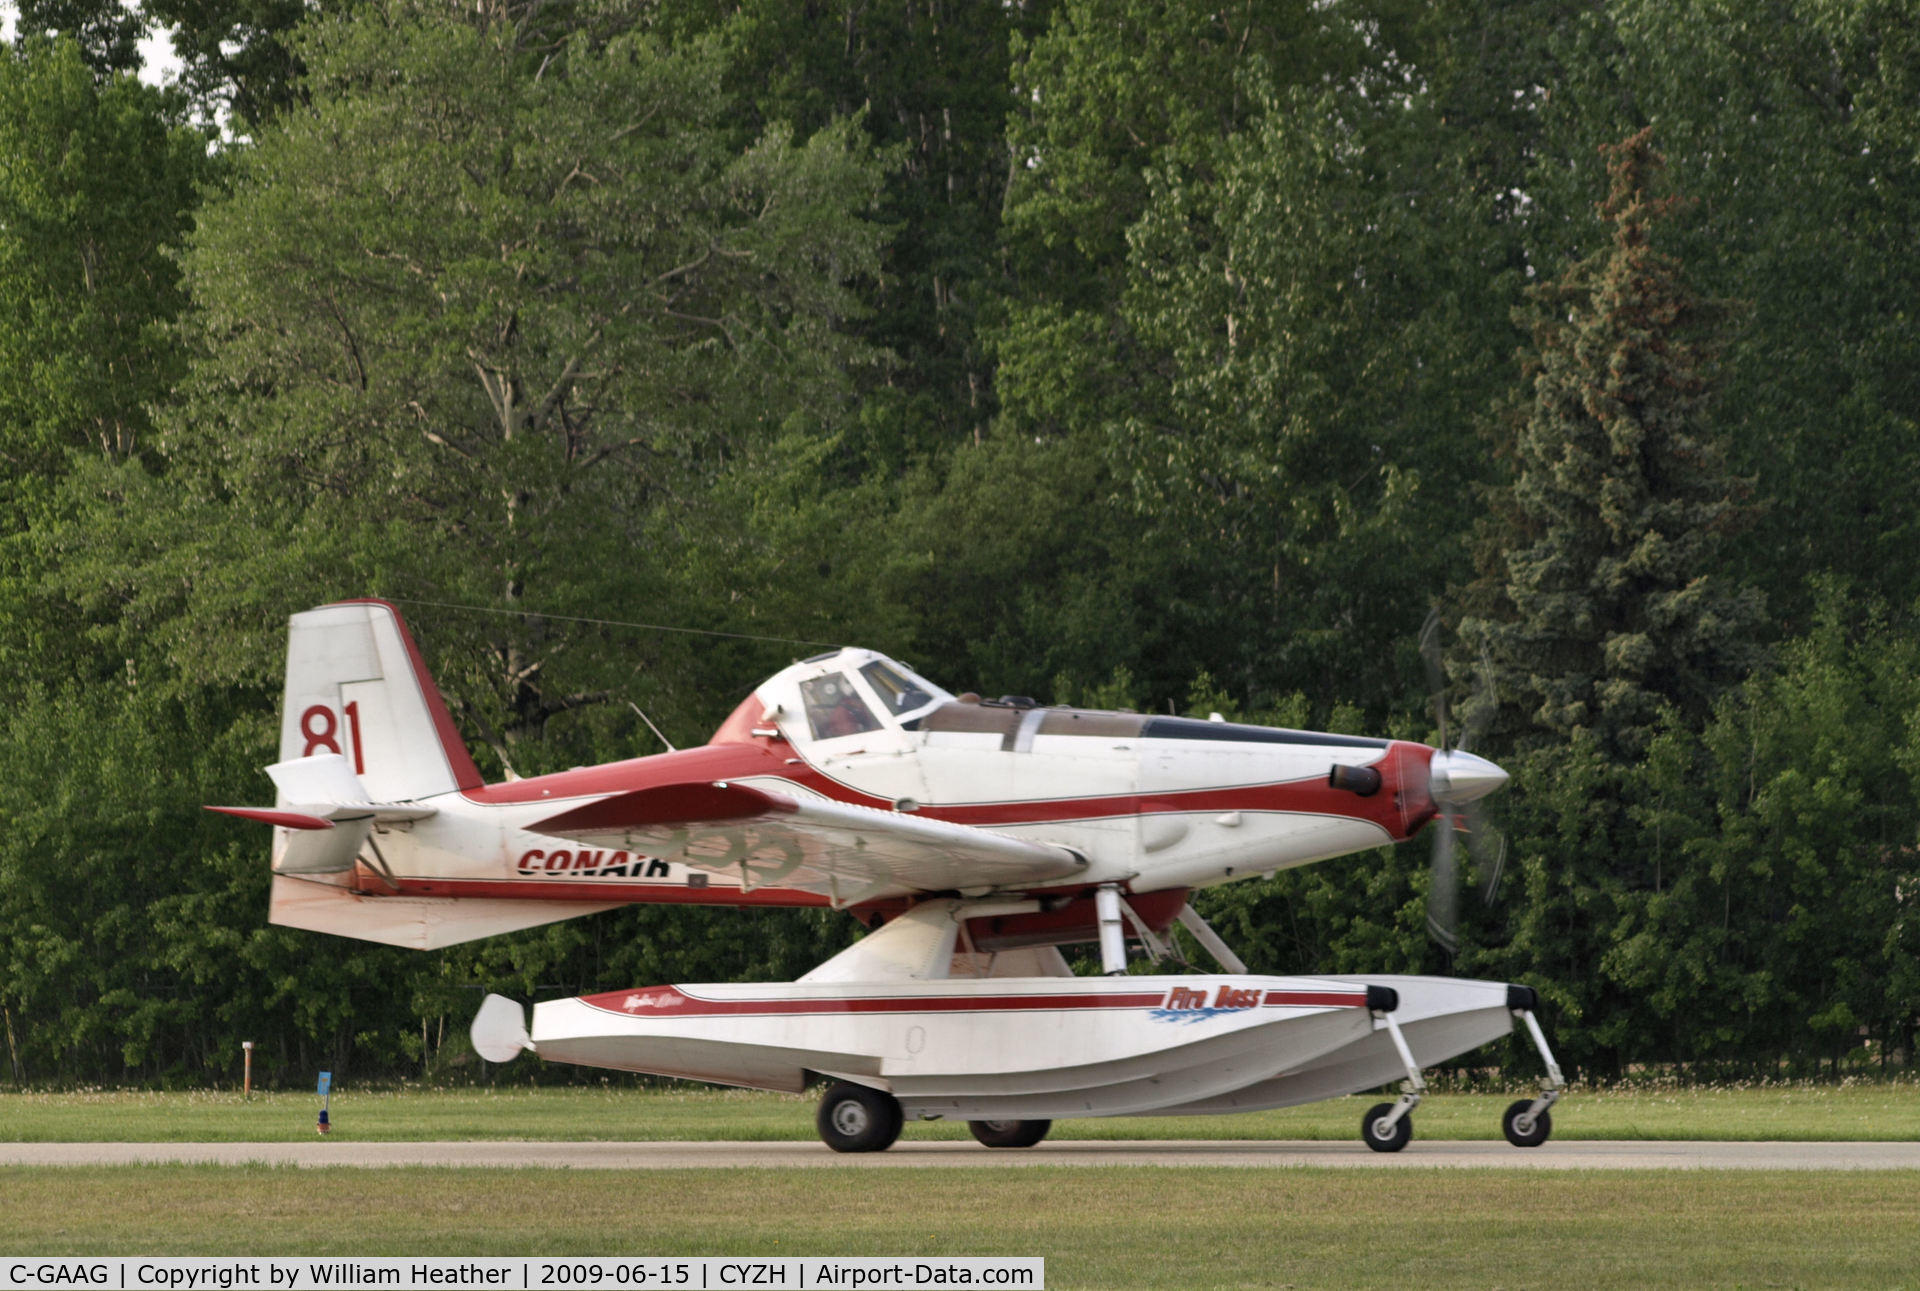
[1114,1227]
[1852,1111]
[1158,1227]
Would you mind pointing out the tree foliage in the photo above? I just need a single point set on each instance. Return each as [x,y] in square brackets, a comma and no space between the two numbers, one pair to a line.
[486,324]
[96,188]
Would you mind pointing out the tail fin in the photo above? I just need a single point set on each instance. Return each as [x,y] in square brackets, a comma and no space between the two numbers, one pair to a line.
[364,737]
[356,686]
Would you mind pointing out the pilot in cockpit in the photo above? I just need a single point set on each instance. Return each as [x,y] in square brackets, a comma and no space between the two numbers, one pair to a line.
[834,707]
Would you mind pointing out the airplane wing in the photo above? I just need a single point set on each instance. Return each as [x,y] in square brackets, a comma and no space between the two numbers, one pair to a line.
[848,854]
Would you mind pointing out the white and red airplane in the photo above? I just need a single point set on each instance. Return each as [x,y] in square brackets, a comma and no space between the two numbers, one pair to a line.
[974,837]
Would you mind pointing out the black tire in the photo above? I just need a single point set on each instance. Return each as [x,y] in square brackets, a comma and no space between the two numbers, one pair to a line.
[1536,1131]
[1385,1139]
[1009,1134]
[854,1118]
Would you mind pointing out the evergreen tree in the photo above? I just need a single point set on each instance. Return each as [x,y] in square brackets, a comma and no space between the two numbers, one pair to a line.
[1598,611]
[1598,601]
[1795,123]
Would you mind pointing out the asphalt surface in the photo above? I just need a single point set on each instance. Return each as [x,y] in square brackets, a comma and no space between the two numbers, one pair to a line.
[1572,1155]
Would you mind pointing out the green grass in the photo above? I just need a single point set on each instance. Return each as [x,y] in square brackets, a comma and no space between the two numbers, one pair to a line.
[1160,1227]
[1847,1111]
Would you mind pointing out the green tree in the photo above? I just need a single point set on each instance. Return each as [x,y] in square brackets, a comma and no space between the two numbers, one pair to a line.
[97,187]
[1317,324]
[1774,923]
[1601,599]
[485,325]
[1793,123]
[1602,612]
[928,83]
[495,321]
[236,56]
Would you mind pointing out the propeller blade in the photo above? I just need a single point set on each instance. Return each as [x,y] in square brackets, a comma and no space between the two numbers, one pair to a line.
[1485,703]
[1436,671]
[1458,780]
[1488,848]
[1443,889]
[1491,892]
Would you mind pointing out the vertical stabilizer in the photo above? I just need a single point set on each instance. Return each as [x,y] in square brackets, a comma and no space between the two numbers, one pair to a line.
[356,687]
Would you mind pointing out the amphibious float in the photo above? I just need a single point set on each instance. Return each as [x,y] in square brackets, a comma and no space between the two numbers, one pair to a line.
[902,1026]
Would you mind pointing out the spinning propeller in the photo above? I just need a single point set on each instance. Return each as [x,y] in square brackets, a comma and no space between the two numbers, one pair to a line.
[1458,780]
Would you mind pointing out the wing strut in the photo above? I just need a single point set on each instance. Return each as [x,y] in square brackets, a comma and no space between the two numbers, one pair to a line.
[1190,920]
[1113,937]
[1156,950]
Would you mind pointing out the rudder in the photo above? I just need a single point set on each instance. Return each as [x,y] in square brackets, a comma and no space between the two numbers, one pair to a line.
[356,686]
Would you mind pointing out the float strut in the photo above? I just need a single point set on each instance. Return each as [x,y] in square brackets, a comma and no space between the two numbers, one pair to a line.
[1553,1084]
[1415,1087]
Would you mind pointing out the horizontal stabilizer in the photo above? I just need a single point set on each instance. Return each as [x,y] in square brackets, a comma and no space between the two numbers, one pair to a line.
[315,795]
[324,786]
[844,852]
[271,816]
[325,777]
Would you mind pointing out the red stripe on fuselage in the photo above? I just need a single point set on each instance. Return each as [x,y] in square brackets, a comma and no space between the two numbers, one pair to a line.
[588,891]
[1386,809]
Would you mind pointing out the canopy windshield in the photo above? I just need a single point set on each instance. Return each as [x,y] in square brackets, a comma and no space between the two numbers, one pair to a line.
[899,690]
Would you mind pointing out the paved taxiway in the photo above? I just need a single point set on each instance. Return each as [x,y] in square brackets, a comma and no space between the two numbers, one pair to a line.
[1571,1155]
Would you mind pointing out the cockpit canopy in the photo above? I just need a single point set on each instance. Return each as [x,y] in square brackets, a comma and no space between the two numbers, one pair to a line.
[853,691]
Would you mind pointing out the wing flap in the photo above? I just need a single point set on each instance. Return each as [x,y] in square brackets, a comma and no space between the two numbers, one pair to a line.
[844,852]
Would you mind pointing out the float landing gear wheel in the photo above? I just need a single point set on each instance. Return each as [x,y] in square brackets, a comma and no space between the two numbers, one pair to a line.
[1382,1136]
[1526,1123]
[854,1118]
[1009,1134]
[1524,1127]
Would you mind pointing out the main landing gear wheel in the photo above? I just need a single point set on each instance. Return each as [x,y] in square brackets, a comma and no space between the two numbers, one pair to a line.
[1009,1134]
[854,1118]
[1379,1135]
[1524,1131]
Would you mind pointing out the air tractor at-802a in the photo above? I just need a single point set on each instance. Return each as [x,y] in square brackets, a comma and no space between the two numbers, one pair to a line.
[973,838]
